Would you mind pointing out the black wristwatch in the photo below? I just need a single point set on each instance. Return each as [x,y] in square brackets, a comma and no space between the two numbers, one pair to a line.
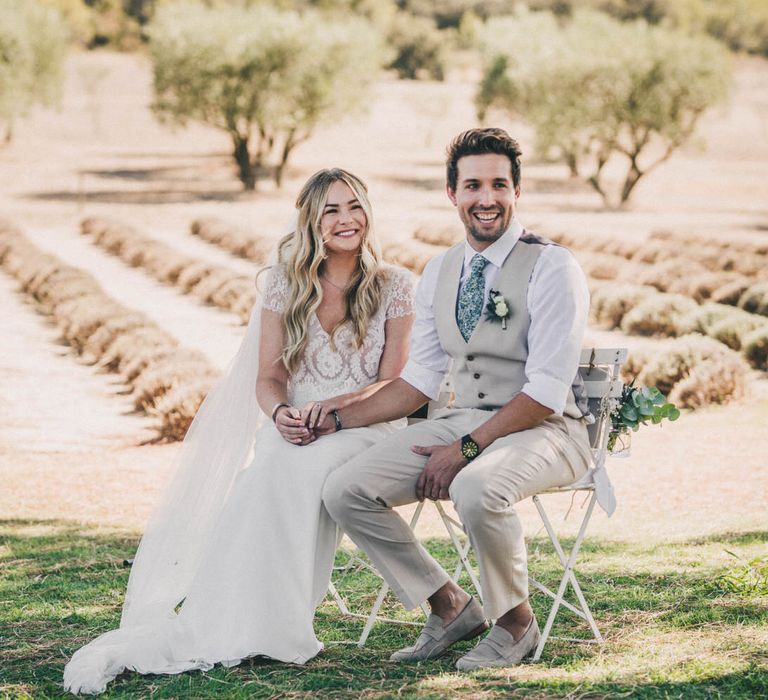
[469,448]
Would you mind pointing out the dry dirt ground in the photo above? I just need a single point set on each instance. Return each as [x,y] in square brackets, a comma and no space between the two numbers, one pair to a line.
[71,448]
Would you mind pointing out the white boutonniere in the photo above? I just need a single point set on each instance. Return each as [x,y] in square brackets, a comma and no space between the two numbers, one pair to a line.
[497,308]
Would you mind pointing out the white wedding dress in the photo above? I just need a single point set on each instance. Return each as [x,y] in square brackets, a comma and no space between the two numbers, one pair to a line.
[269,554]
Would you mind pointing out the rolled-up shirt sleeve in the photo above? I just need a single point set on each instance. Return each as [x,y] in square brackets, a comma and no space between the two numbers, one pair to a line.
[558,303]
[427,360]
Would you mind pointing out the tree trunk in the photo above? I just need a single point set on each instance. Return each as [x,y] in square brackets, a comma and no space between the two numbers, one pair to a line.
[291,142]
[278,175]
[573,164]
[594,179]
[634,174]
[633,177]
[245,170]
[262,152]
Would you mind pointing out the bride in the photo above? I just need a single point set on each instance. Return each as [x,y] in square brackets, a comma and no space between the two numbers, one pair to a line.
[240,551]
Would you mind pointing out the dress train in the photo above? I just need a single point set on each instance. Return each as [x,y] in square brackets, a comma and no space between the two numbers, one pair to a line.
[264,571]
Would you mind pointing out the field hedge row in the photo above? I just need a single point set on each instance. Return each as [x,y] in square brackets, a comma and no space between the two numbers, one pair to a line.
[212,284]
[733,272]
[741,244]
[411,254]
[167,381]
[446,235]
[643,310]
[676,285]
[739,253]
[693,371]
[232,239]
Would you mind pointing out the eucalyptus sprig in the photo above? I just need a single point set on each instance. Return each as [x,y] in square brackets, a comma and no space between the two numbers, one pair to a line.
[637,406]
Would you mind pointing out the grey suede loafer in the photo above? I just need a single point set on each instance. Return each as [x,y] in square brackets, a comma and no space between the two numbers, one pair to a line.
[499,648]
[435,638]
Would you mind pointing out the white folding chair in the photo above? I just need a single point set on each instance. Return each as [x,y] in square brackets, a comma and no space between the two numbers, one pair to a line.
[599,368]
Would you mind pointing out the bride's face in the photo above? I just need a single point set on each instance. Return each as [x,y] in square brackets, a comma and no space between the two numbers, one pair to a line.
[343,222]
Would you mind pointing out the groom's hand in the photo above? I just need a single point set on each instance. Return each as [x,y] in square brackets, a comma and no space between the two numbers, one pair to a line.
[325,426]
[444,463]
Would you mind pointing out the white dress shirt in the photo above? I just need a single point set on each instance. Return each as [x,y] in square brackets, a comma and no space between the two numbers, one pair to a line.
[558,304]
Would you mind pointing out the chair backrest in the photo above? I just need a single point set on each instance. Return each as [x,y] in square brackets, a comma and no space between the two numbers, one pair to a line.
[600,368]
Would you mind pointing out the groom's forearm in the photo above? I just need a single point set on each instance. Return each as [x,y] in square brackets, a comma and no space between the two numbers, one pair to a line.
[521,413]
[396,400]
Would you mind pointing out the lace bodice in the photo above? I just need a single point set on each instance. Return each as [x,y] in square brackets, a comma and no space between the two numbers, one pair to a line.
[328,370]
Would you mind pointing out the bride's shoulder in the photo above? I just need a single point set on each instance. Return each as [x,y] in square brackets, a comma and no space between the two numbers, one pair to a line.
[276,274]
[274,284]
[397,290]
[396,277]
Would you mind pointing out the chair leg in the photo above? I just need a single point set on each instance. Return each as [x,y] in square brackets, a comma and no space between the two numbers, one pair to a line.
[461,550]
[340,602]
[374,614]
[574,581]
[568,575]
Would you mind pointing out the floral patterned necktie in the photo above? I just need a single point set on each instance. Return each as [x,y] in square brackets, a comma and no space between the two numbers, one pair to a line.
[471,298]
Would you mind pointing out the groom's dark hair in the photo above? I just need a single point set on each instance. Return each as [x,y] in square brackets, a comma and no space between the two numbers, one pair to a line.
[476,142]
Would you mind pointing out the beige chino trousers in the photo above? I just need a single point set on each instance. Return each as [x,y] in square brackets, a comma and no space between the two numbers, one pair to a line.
[360,496]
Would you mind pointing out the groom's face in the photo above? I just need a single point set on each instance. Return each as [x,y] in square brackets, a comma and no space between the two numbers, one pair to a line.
[485,197]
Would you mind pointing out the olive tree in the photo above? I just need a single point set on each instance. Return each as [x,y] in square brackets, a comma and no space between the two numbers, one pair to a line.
[33,44]
[419,47]
[265,76]
[599,91]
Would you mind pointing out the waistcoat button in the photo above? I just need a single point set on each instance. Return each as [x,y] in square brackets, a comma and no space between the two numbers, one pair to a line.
[476,375]
[481,395]
[470,358]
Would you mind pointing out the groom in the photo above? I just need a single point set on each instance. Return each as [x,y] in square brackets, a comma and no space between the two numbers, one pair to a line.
[515,428]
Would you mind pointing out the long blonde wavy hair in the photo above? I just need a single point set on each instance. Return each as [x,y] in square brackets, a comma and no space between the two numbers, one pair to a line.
[302,252]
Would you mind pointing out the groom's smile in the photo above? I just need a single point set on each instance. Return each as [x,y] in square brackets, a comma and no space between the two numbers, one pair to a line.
[486,217]
[485,197]
[486,220]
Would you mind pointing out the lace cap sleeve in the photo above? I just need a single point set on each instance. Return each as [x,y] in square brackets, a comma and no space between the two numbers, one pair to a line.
[276,289]
[399,293]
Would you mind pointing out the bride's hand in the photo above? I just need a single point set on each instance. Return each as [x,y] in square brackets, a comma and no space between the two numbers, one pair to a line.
[290,424]
[315,412]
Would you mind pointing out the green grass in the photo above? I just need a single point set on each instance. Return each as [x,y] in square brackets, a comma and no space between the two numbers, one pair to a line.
[673,629]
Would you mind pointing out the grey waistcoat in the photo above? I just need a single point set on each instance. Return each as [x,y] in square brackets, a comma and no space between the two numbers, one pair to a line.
[489,369]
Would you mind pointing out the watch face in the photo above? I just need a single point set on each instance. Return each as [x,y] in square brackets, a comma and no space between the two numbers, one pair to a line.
[469,449]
